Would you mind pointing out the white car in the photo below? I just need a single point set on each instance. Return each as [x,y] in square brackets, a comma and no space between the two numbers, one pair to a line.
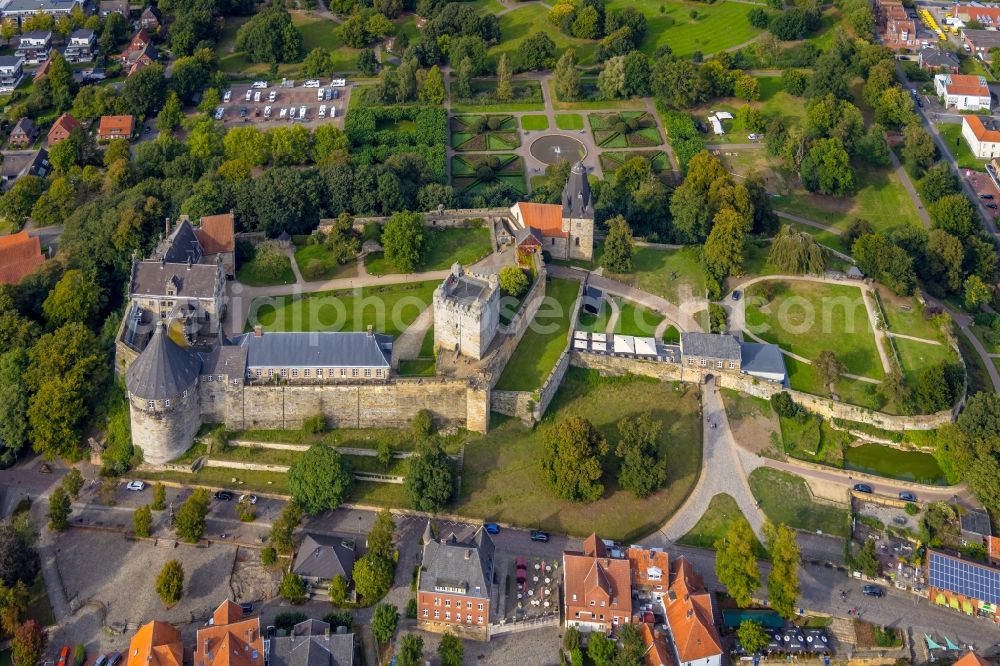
[220,112]
[312,83]
[272,96]
[259,84]
[333,111]
[322,110]
[256,96]
[291,113]
[253,498]
[320,94]
[135,485]
[282,114]
[249,95]
[755,137]
[302,113]
[267,112]
[228,96]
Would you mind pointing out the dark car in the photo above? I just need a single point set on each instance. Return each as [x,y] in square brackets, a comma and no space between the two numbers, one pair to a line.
[907,496]
[913,15]
[538,535]
[492,528]
[986,196]
[991,206]
[223,495]
[271,631]
[247,607]
[872,591]
[863,488]
[920,104]
[114,659]
[736,294]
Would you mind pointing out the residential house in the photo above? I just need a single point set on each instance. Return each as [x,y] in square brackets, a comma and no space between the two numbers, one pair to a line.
[18,165]
[19,10]
[139,52]
[23,134]
[598,588]
[11,73]
[964,92]
[938,60]
[962,584]
[975,527]
[20,254]
[723,352]
[62,128]
[690,613]
[115,127]
[311,643]
[155,644]
[454,583]
[43,69]
[981,42]
[151,19]
[988,17]
[566,230]
[113,7]
[80,46]
[657,651]
[34,46]
[901,32]
[230,640]
[321,558]
[982,135]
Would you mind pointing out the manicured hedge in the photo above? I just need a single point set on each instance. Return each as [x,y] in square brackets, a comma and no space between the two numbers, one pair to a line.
[430,126]
[683,136]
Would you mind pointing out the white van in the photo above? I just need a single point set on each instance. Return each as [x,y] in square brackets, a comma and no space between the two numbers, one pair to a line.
[320,93]
[322,110]
[333,111]
[302,113]
[267,112]
[249,95]
[291,113]
[256,96]
[228,96]
[312,83]
[272,96]
[338,83]
[283,114]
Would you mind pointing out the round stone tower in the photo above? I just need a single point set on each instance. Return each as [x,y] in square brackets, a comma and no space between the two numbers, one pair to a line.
[163,399]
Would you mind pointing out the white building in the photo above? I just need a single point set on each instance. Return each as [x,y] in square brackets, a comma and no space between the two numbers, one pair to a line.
[963,92]
[34,46]
[80,46]
[11,72]
[983,136]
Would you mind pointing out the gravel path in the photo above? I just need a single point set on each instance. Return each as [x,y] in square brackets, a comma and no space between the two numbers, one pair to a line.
[407,345]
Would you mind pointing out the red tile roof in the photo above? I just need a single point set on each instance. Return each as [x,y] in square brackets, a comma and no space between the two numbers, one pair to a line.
[216,233]
[65,123]
[116,126]
[650,568]
[972,659]
[596,584]
[20,254]
[231,640]
[980,131]
[657,653]
[689,614]
[547,218]
[157,644]
[966,84]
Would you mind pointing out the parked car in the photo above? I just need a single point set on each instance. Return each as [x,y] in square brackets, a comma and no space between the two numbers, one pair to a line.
[907,496]
[291,113]
[136,485]
[101,660]
[986,196]
[220,112]
[256,96]
[753,136]
[247,607]
[63,656]
[225,98]
[899,520]
[492,528]
[863,488]
[249,95]
[244,112]
[872,591]
[253,498]
[272,96]
[538,535]
[260,84]
[302,113]
[223,495]
[320,94]
[991,206]
[114,659]
[736,294]
[336,94]
[271,631]
[322,110]
[267,112]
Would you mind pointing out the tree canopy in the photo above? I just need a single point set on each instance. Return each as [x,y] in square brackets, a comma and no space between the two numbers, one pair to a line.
[571,459]
[319,479]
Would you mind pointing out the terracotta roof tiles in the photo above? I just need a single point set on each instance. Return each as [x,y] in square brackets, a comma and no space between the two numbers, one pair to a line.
[547,218]
[20,254]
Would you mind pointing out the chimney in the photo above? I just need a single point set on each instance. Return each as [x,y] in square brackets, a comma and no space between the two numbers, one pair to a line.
[371,330]
[258,331]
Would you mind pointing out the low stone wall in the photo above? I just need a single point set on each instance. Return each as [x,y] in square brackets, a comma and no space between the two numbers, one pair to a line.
[456,218]
[519,404]
[608,364]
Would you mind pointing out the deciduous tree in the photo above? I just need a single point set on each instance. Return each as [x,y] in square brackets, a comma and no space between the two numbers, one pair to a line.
[783,581]
[829,367]
[293,588]
[319,479]
[643,469]
[60,506]
[429,481]
[384,622]
[571,459]
[450,650]
[567,77]
[736,562]
[411,651]
[190,519]
[752,636]
[617,256]
[27,647]
[403,239]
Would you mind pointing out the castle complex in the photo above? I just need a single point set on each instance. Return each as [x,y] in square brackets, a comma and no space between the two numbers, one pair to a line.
[466,312]
[566,230]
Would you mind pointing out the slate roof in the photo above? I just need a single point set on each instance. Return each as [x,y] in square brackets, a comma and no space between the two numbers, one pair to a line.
[710,345]
[976,522]
[324,557]
[119,6]
[153,277]
[163,369]
[317,350]
[225,359]
[454,563]
[983,39]
[577,201]
[937,57]
[25,126]
[43,35]
[182,244]
[763,358]
[82,33]
[9,61]
[311,645]
[41,5]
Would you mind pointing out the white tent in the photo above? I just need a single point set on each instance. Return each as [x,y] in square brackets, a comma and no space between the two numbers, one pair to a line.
[598,346]
[580,344]
[599,337]
[581,335]
[624,344]
[724,115]
[645,346]
[716,125]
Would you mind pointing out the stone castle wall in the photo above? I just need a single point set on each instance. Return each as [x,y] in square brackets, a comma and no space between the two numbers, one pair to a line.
[582,239]
[165,433]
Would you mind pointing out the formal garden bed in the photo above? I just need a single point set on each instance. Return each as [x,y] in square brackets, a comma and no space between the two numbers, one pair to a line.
[527,97]
[484,132]
[471,174]
[612,160]
[628,129]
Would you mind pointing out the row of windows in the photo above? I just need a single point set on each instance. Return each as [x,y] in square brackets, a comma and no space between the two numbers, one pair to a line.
[614,618]
[307,373]
[458,616]
[458,604]
[166,403]
[718,364]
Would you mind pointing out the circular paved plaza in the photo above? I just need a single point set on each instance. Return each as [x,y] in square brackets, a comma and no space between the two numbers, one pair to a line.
[553,148]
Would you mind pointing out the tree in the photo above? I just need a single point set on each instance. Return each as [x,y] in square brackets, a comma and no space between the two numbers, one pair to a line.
[319,479]
[293,588]
[451,650]
[752,636]
[18,557]
[736,562]
[888,263]
[723,253]
[245,509]
[142,521]
[367,62]
[373,576]
[403,240]
[919,151]
[170,583]
[433,91]
[977,293]
[429,482]
[72,483]
[874,147]
[617,256]
[246,143]
[13,403]
[535,52]
[513,280]
[571,459]
[505,92]
[867,561]
[283,529]
[60,506]
[190,519]
[611,80]
[159,502]
[338,590]
[829,367]
[796,252]
[643,470]
[783,581]
[954,214]
[936,183]
[66,154]
[13,606]
[587,24]
[188,76]
[16,203]
[746,87]
[384,622]
[943,258]
[318,63]
[76,297]
[270,36]
[27,647]
[567,77]
[826,168]
[143,91]
[411,651]
[600,650]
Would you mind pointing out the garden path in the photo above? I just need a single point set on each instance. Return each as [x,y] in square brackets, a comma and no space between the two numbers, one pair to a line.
[616,312]
[407,345]
[290,253]
[914,338]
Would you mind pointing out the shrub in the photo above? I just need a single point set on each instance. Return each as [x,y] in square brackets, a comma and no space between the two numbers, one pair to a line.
[335,619]
[314,425]
[79,654]
[411,608]
[159,502]
[338,590]
[423,423]
[513,280]
[268,556]
[293,588]
[170,583]
[142,521]
[911,509]
[289,619]
[784,405]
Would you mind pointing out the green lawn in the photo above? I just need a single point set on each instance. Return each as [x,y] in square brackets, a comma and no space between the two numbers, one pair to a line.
[717,26]
[806,318]
[526,20]
[569,121]
[672,274]
[984,333]
[420,367]
[880,198]
[544,340]
[636,320]
[534,123]
[951,136]
[527,97]
[331,269]
[774,102]
[250,273]
[502,480]
[390,309]
[317,31]
[909,321]
[595,323]
[804,377]
[722,512]
[442,249]
[785,498]
[360,438]
[915,356]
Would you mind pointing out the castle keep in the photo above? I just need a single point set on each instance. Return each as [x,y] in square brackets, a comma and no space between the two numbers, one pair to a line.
[466,312]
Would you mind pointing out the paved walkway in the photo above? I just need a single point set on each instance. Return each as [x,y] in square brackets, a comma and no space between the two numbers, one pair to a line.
[910,190]
[616,312]
[809,223]
[914,338]
[407,345]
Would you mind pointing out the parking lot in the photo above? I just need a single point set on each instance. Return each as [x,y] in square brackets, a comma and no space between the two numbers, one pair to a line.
[247,104]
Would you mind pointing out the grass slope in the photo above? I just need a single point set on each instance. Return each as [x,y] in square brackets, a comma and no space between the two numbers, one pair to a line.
[443,248]
[785,498]
[722,512]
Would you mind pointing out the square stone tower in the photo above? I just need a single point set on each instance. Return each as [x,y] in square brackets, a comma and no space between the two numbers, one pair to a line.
[466,312]
[578,214]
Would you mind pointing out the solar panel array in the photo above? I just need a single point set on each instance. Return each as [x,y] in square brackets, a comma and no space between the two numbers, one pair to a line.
[966,578]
